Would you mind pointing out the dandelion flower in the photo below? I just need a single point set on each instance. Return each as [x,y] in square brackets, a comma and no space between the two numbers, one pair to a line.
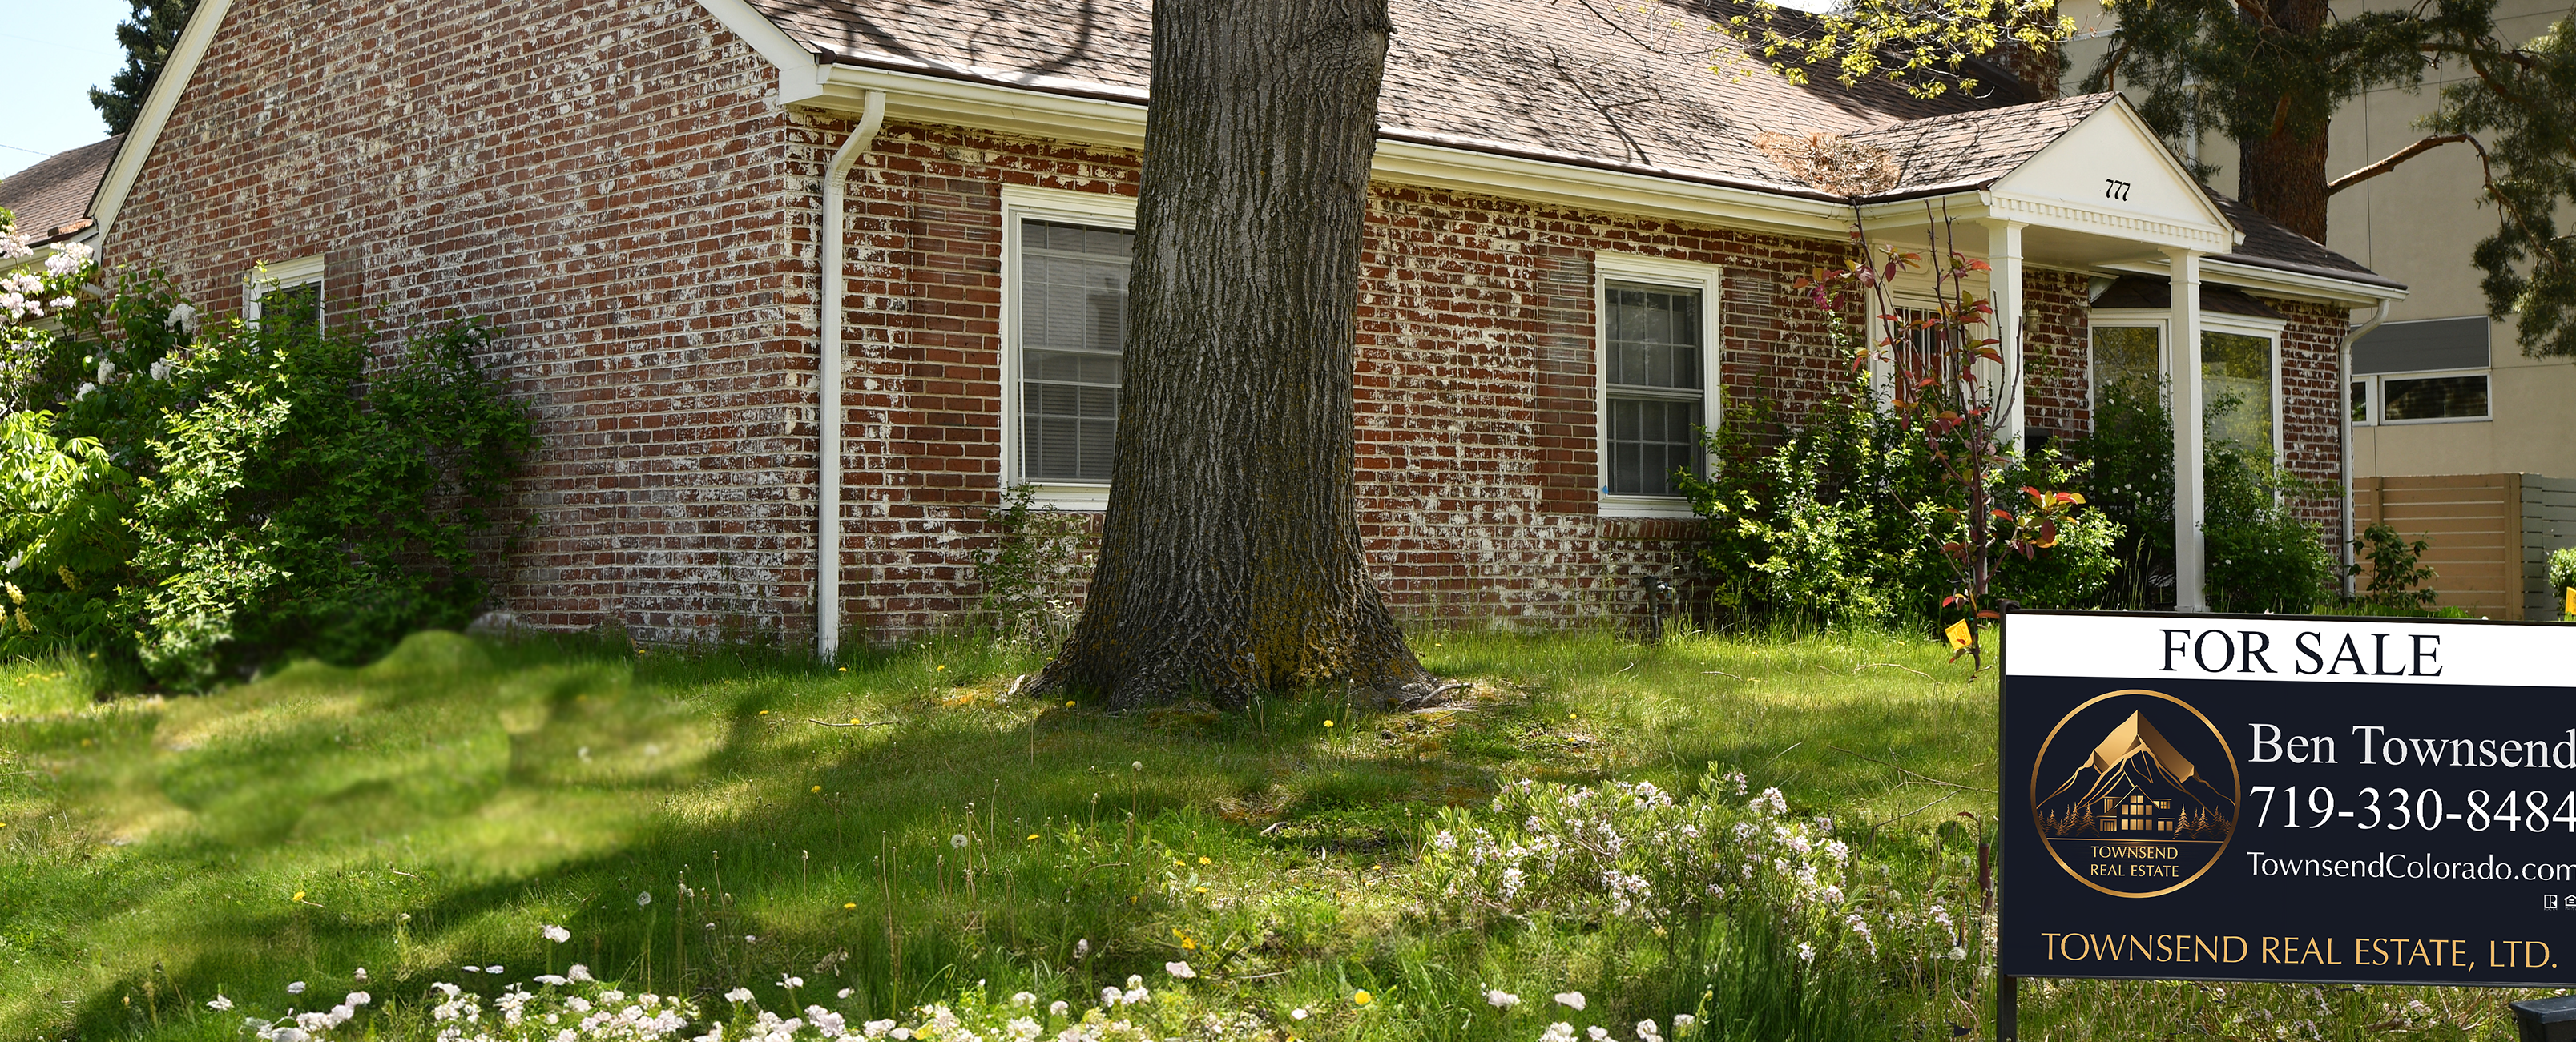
[738,994]
[1204,861]
[845,669]
[1328,723]
[1033,837]
[1570,999]
[1297,1014]
[1068,703]
[299,895]
[818,788]
[847,905]
[557,934]
[1025,998]
[296,988]
[1362,998]
[219,1003]
[1500,999]
[1180,969]
[643,897]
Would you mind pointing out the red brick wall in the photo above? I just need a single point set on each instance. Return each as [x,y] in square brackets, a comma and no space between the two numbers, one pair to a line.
[605,180]
[611,184]
[2312,404]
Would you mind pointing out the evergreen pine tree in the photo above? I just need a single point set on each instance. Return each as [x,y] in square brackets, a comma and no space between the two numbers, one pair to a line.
[148,39]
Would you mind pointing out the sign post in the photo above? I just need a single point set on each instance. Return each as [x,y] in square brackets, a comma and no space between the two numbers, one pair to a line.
[2287,798]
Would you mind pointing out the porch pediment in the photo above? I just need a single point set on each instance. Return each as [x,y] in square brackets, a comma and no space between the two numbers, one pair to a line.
[2109,175]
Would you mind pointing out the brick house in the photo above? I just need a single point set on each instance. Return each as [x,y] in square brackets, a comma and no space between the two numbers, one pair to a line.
[1575,251]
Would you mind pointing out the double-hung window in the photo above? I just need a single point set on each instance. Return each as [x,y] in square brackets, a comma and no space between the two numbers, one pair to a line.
[1657,336]
[1064,317]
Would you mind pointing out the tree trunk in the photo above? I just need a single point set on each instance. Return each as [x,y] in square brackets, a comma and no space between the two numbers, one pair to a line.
[1230,560]
[2283,177]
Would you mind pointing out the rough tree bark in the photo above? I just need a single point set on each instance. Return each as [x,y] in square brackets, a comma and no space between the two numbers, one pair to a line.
[1230,560]
[2281,172]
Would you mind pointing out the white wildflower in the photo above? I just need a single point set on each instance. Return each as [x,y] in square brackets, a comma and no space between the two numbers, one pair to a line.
[1598,1033]
[1806,953]
[68,257]
[183,318]
[643,897]
[219,1003]
[1570,999]
[1557,1032]
[1023,1029]
[1297,1014]
[845,992]
[1059,1008]
[958,841]
[1682,1023]
[1108,996]
[493,970]
[555,980]
[556,934]
[1500,999]
[360,975]
[876,1028]
[359,998]
[579,973]
[1134,996]
[786,981]
[296,988]
[1181,970]
[1648,1032]
[738,994]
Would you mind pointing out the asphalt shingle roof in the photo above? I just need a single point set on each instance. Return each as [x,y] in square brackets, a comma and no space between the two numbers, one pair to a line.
[1604,82]
[53,195]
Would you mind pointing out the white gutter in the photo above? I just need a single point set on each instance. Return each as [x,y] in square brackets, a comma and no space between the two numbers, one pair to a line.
[2343,405]
[827,451]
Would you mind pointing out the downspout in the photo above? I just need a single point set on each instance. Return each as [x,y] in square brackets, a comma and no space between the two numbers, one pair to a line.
[2343,405]
[835,277]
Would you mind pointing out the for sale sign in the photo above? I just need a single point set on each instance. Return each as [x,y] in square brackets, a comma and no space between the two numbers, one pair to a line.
[2288,798]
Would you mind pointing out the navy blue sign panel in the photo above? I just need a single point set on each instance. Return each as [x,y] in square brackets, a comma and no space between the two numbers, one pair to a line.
[2287,798]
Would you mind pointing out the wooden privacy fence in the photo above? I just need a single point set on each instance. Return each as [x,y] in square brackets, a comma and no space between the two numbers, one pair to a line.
[2491,534]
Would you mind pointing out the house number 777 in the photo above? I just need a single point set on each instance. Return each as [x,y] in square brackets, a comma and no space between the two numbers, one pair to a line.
[2115,189]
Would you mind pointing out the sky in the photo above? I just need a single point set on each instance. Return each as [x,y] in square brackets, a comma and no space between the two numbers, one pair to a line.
[57,50]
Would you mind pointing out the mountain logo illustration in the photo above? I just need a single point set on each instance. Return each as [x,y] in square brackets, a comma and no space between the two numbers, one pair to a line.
[2134,815]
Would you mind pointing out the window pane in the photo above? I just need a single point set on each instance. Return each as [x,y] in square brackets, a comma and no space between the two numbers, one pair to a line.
[2436,397]
[1654,337]
[1073,319]
[2126,355]
[2236,383]
[1649,440]
[2361,401]
[298,306]
[1923,352]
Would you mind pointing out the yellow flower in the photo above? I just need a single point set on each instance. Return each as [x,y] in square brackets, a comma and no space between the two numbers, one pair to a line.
[1202,890]
[818,788]
[1204,861]
[943,667]
[764,712]
[1569,714]
[1189,945]
[847,905]
[1068,703]
[1033,837]
[854,720]
[1328,723]
[1362,998]
[845,669]
[299,895]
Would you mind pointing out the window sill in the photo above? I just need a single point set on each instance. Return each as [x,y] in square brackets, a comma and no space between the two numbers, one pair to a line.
[1646,506]
[1083,498]
[2419,423]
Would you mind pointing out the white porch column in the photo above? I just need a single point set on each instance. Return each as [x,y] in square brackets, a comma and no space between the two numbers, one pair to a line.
[2003,253]
[2182,380]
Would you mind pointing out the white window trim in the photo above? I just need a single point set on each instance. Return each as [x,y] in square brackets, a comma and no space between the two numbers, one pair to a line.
[2379,396]
[1882,358]
[1045,204]
[1709,281]
[2269,329]
[269,278]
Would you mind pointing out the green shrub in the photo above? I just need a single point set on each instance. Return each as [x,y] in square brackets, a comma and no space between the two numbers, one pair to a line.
[2562,578]
[2262,555]
[2396,569]
[200,499]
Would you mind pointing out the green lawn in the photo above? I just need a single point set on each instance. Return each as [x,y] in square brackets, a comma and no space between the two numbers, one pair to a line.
[696,825]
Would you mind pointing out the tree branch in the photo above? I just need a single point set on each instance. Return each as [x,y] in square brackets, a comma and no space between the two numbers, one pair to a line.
[2429,143]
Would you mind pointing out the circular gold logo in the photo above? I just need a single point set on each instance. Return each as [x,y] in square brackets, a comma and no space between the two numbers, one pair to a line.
[2135,793]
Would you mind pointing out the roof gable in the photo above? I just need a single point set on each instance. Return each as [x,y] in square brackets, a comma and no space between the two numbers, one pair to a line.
[50,198]
[2112,161]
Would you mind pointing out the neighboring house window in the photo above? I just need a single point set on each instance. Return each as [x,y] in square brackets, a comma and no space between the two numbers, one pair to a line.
[1064,314]
[289,291]
[2426,371]
[1658,322]
[2240,370]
